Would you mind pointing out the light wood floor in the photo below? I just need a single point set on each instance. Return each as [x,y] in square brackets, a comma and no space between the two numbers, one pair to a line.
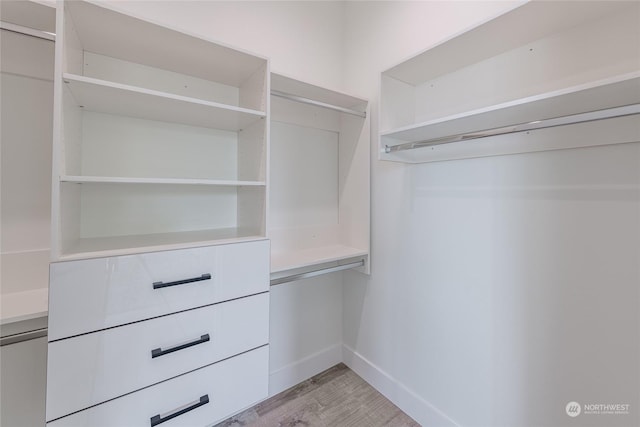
[336,397]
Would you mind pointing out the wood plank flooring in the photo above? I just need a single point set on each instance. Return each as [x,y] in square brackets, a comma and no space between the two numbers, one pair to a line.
[336,397]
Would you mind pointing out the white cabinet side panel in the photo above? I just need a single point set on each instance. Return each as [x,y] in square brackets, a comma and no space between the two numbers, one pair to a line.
[23,368]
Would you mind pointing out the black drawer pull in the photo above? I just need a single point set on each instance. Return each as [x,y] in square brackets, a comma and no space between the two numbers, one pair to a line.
[157,352]
[160,418]
[158,285]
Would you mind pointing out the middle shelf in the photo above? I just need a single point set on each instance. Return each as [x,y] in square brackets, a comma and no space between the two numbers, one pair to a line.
[104,96]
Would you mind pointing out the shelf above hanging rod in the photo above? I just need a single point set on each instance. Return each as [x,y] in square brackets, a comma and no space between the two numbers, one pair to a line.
[20,29]
[609,113]
[303,100]
[317,272]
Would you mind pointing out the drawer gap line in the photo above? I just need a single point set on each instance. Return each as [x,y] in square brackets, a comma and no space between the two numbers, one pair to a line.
[156,317]
[159,382]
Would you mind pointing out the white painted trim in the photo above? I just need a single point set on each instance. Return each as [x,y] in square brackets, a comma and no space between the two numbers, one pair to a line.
[413,405]
[283,378]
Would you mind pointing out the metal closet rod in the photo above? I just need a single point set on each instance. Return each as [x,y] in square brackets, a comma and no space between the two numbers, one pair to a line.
[317,272]
[591,116]
[20,29]
[303,100]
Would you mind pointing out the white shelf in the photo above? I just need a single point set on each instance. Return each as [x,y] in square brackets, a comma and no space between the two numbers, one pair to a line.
[125,100]
[288,85]
[40,16]
[26,305]
[523,25]
[98,247]
[314,256]
[563,70]
[168,181]
[105,30]
[609,93]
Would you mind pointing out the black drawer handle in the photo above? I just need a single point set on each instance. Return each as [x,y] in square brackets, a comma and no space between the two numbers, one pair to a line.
[158,285]
[157,352]
[160,418]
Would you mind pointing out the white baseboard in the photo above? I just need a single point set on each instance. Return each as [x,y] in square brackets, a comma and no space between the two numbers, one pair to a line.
[303,369]
[413,405]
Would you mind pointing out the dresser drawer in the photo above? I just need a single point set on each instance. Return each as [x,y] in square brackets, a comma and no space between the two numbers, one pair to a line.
[96,367]
[94,294]
[229,386]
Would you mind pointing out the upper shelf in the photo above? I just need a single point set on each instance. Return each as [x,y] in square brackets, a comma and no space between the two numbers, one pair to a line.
[604,94]
[566,72]
[115,98]
[296,90]
[517,27]
[106,31]
[36,15]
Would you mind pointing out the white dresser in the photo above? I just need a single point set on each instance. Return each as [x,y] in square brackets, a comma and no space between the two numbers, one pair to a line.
[176,336]
[159,286]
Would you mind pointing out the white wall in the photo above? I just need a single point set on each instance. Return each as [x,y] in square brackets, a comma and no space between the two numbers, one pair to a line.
[303,40]
[502,288]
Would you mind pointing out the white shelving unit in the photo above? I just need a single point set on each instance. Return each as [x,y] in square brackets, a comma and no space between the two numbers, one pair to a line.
[160,137]
[319,183]
[26,73]
[563,63]
[160,156]
[26,116]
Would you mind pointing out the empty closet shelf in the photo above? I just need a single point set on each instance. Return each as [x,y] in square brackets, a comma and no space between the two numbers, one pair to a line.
[283,261]
[180,181]
[19,306]
[95,247]
[120,99]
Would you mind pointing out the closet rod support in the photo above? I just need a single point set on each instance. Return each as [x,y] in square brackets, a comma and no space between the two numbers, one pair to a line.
[318,272]
[302,100]
[27,31]
[591,116]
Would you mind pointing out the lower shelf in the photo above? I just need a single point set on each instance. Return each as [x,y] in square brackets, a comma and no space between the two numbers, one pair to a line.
[285,261]
[26,305]
[123,245]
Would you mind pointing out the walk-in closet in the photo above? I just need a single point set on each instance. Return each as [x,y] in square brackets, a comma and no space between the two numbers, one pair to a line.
[319,213]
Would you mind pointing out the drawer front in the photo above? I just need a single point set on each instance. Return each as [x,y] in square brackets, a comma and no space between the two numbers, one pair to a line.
[93,368]
[93,294]
[229,386]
